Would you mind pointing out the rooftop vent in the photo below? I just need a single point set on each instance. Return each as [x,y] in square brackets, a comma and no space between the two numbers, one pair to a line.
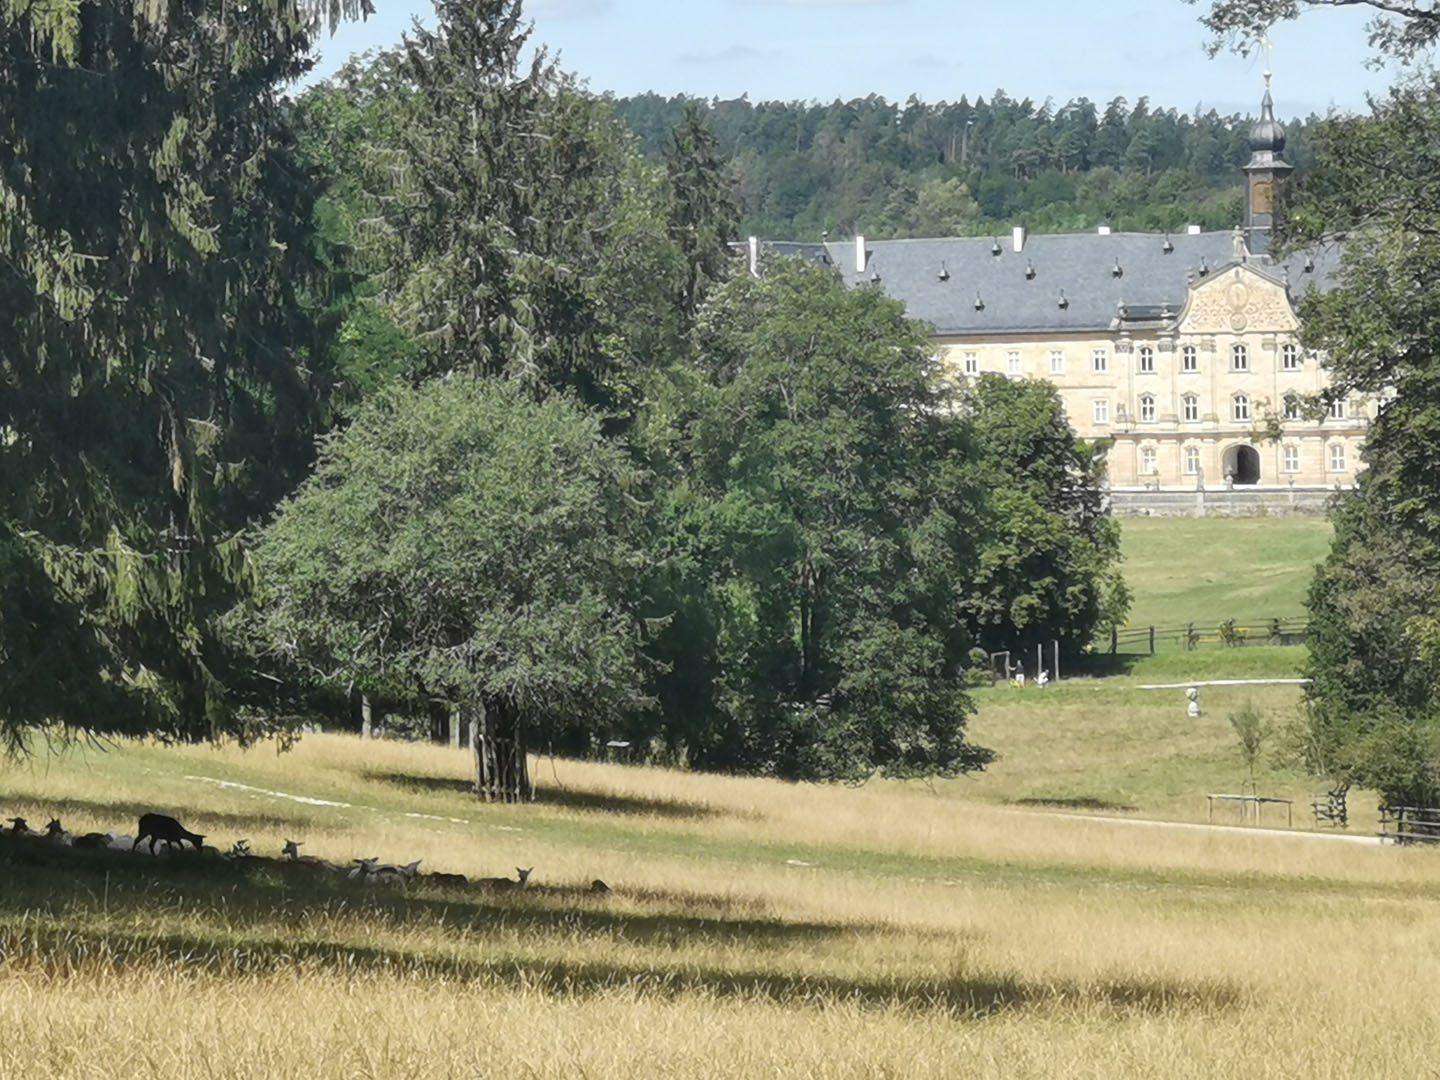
[1204,266]
[944,274]
[995,248]
[1017,238]
[874,277]
[1119,270]
[979,303]
[1029,270]
[1168,248]
[1064,301]
[1309,266]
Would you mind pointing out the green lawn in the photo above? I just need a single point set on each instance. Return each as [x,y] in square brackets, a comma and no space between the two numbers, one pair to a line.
[1205,570]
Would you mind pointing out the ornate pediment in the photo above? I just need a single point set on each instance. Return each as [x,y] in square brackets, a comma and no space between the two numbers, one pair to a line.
[1238,300]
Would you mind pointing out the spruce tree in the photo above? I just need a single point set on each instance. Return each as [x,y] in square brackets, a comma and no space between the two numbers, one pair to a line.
[161,375]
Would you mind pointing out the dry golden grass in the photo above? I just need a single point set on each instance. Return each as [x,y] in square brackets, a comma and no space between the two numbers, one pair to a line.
[756,928]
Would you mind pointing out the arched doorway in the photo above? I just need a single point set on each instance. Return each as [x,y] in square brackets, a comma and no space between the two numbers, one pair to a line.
[1242,465]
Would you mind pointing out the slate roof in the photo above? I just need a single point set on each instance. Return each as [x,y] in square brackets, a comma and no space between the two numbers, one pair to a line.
[1082,264]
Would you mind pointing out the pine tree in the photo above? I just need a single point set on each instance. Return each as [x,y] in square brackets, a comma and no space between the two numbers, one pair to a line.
[702,215]
[489,211]
[161,374]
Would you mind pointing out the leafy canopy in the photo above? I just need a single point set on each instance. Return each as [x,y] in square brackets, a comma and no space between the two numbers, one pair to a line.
[461,543]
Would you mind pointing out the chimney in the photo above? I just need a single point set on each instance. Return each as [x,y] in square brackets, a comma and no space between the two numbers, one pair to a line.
[859,254]
[1017,238]
[1104,230]
[754,256]
[1192,230]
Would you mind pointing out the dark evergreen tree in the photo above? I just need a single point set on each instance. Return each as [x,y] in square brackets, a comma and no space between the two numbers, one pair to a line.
[701,214]
[162,376]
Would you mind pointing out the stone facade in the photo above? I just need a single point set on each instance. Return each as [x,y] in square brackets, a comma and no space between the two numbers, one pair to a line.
[1218,393]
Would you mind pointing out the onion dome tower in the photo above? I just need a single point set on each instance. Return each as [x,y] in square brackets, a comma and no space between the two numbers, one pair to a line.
[1265,170]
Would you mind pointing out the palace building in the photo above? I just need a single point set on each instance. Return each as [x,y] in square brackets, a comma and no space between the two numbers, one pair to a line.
[1179,349]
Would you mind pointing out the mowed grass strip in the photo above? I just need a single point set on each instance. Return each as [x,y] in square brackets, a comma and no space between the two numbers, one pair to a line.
[1185,954]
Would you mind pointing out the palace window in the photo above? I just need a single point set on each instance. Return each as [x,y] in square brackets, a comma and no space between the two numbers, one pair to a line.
[1192,460]
[1337,457]
[1099,361]
[1147,460]
[1013,363]
[1337,409]
[1290,357]
[1101,413]
[1057,362]
[1147,360]
[1147,409]
[1240,407]
[1189,358]
[1292,407]
[1292,459]
[972,363]
[1239,358]
[1190,407]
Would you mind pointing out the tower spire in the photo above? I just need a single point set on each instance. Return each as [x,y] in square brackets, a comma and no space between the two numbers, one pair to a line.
[1265,169]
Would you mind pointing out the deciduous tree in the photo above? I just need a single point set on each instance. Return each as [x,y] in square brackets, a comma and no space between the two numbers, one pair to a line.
[462,543]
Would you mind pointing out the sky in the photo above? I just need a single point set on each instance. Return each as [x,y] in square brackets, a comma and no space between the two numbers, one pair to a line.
[820,50]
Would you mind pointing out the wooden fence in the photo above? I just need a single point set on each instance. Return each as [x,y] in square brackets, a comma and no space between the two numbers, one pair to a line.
[1410,824]
[1231,633]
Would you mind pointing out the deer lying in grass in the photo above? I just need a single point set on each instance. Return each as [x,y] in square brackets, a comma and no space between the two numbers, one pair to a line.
[505,882]
[160,827]
[290,855]
[387,872]
[447,879]
[93,840]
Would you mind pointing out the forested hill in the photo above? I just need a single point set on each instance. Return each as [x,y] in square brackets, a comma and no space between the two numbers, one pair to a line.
[890,170]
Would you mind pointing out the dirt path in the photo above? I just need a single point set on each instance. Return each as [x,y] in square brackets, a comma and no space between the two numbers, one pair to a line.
[1149,823]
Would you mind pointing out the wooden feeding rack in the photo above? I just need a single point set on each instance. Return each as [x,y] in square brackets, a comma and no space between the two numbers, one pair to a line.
[1247,801]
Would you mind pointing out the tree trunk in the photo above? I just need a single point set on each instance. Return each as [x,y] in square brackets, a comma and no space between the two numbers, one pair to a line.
[456,739]
[502,769]
[367,719]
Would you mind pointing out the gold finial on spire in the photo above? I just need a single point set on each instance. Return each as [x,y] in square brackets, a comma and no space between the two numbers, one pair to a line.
[1269,51]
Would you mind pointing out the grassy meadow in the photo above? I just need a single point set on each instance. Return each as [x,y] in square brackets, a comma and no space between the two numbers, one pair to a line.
[754,928]
[1206,570]
[1060,915]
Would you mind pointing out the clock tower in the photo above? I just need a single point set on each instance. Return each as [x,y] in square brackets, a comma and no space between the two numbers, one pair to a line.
[1266,169]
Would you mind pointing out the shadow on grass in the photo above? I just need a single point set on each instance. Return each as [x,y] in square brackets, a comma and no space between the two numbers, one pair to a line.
[1104,665]
[1079,802]
[568,798]
[73,882]
[62,951]
[64,912]
[124,816]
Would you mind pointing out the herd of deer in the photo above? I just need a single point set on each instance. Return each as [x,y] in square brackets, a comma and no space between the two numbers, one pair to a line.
[161,829]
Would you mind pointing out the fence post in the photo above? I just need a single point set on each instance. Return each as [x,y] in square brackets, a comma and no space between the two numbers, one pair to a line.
[1152,641]
[1055,651]
[1114,640]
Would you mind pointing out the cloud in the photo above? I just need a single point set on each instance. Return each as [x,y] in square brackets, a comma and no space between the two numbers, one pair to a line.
[733,54]
[568,9]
